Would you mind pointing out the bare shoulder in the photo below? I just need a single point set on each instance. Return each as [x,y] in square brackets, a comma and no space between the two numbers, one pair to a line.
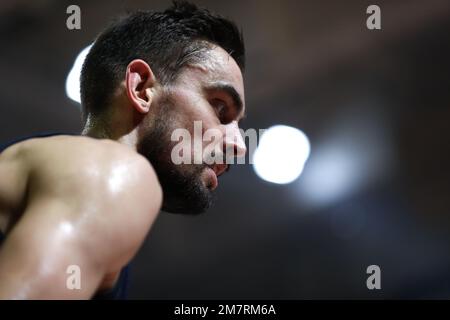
[109,189]
[91,170]
[96,195]
[85,155]
[80,150]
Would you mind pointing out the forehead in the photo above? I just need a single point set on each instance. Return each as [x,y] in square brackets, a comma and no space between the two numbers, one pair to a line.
[217,67]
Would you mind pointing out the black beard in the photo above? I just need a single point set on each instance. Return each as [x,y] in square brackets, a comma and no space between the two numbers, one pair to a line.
[183,190]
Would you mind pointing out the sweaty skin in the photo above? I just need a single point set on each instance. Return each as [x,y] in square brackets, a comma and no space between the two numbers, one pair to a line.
[71,201]
[88,202]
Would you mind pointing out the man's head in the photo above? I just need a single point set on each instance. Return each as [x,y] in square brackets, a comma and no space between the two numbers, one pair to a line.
[152,73]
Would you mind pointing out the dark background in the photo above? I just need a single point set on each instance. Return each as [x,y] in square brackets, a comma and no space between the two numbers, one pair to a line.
[374,105]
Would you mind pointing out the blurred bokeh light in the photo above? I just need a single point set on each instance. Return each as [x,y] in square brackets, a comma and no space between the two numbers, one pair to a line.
[281,154]
[73,78]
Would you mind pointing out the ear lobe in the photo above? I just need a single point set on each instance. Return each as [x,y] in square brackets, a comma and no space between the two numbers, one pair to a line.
[139,82]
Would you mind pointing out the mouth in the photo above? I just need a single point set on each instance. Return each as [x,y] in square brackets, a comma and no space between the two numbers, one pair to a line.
[214,172]
[212,180]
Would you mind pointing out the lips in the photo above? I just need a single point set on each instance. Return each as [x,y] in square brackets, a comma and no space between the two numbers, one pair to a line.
[219,169]
[214,172]
[212,181]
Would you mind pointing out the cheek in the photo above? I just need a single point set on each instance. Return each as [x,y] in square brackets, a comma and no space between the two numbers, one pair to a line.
[193,106]
[194,113]
[198,118]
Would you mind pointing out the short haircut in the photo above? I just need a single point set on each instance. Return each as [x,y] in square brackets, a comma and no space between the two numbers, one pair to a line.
[166,40]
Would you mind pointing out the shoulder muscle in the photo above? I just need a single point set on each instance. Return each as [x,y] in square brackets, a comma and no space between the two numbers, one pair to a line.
[112,190]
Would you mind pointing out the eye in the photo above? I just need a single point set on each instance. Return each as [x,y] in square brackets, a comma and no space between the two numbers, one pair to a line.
[222,110]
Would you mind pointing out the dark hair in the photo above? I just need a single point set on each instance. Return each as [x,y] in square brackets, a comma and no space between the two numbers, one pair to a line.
[165,40]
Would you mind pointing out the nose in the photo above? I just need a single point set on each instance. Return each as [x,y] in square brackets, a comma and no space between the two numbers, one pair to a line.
[233,141]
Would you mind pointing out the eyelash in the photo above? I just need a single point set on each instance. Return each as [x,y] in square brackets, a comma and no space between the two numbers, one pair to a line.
[221,111]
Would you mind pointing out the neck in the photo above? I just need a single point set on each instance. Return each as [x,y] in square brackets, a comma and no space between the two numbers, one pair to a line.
[97,130]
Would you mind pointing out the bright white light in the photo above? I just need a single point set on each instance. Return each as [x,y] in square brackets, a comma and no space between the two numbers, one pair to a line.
[281,154]
[333,172]
[73,79]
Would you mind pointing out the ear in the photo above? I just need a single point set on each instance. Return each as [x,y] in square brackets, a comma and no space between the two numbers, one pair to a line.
[140,83]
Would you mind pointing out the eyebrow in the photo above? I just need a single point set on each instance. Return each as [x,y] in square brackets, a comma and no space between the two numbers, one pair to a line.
[231,92]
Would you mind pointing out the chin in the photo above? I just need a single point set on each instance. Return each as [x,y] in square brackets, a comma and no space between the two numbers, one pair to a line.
[185,190]
[193,200]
